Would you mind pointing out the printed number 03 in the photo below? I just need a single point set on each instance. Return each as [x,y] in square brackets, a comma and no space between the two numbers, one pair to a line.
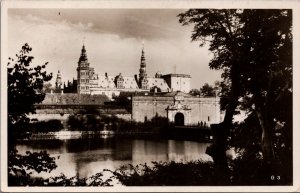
[275,177]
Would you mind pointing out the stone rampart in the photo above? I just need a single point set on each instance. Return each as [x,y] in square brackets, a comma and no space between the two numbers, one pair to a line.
[194,110]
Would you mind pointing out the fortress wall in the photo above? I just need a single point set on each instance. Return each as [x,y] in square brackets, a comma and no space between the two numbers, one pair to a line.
[203,109]
[149,107]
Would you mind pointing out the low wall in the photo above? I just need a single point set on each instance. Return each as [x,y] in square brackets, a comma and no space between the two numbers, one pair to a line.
[126,117]
[45,117]
[62,112]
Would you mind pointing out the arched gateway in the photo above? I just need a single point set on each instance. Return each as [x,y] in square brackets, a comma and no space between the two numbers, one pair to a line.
[179,119]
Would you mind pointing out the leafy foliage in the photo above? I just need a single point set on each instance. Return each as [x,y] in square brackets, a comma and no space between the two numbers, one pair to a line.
[25,88]
[92,120]
[51,125]
[20,167]
[166,174]
[253,48]
[25,84]
[61,180]
[243,171]
[195,92]
[207,90]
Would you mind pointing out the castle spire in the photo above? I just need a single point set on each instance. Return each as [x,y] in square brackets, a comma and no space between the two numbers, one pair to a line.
[143,82]
[143,64]
[83,56]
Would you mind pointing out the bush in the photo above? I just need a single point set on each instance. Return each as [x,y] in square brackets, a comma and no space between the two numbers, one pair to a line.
[20,167]
[45,126]
[166,174]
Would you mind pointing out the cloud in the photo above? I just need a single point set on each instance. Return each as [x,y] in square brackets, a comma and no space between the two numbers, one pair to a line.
[113,41]
[125,23]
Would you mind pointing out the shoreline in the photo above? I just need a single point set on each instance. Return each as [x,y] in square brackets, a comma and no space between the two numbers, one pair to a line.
[170,133]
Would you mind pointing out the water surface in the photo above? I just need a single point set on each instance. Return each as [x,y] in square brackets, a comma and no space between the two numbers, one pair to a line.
[86,157]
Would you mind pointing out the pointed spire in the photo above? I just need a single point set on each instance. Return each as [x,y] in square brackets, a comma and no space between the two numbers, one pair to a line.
[83,56]
[83,50]
[83,46]
[143,73]
[143,59]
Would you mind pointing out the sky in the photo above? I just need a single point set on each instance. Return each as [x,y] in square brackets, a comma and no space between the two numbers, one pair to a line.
[113,39]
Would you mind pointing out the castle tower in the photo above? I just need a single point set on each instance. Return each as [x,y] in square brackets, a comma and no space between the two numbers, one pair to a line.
[83,73]
[58,82]
[143,82]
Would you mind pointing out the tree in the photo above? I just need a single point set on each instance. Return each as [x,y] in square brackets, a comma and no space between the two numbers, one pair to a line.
[195,92]
[47,88]
[25,88]
[268,76]
[207,90]
[253,48]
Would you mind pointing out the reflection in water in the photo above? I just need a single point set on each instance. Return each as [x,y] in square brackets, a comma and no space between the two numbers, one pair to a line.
[86,157]
[168,150]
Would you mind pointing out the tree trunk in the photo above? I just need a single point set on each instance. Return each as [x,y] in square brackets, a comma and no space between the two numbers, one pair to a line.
[221,132]
[218,152]
[266,137]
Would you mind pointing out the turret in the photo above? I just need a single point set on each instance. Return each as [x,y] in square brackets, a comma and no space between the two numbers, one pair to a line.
[58,82]
[83,73]
[143,82]
[143,72]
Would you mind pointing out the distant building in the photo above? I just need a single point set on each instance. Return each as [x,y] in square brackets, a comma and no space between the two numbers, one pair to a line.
[61,87]
[71,87]
[178,82]
[89,82]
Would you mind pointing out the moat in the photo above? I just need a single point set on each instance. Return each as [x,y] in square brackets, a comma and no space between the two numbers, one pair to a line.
[87,156]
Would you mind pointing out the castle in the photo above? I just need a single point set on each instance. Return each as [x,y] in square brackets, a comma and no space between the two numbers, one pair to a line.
[164,96]
[89,82]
